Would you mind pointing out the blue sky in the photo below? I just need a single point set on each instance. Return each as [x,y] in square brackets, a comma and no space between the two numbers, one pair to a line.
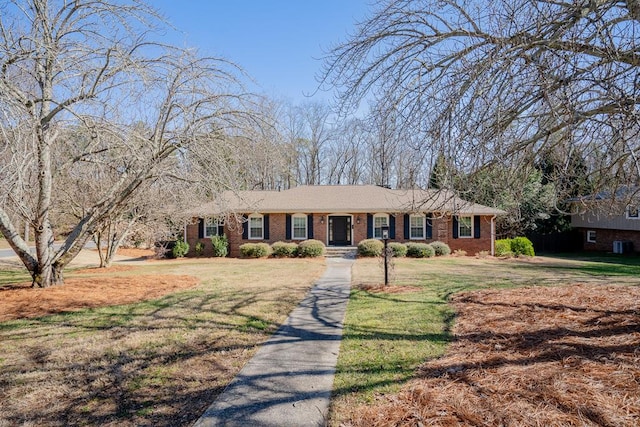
[279,43]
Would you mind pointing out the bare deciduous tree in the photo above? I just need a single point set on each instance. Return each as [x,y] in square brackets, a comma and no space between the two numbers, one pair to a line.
[93,65]
[505,80]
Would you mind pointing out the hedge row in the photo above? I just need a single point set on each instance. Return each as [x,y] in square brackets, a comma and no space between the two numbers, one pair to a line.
[375,247]
[307,249]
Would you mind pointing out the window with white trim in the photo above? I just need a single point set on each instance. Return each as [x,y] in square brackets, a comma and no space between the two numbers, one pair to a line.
[256,226]
[379,221]
[633,212]
[416,227]
[465,226]
[591,236]
[213,227]
[299,227]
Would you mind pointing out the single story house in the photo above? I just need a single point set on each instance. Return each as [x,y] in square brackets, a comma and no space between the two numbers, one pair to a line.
[607,224]
[343,215]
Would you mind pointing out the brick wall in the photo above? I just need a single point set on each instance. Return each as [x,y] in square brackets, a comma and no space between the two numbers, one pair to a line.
[442,231]
[277,232]
[192,239]
[233,230]
[605,239]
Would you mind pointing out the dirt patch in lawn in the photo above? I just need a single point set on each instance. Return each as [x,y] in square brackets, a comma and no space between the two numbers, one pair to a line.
[528,357]
[389,289]
[21,301]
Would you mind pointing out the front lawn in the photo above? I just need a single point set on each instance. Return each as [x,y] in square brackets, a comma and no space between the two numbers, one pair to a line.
[522,329]
[160,361]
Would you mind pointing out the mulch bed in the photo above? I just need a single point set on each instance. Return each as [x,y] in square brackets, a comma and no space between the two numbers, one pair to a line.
[21,301]
[563,356]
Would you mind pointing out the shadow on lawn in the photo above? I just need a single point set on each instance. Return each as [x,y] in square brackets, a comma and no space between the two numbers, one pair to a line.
[159,362]
[393,367]
[596,264]
[533,350]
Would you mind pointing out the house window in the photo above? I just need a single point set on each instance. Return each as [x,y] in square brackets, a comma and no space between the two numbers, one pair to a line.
[465,227]
[256,227]
[632,212]
[213,227]
[299,227]
[591,236]
[379,221]
[416,227]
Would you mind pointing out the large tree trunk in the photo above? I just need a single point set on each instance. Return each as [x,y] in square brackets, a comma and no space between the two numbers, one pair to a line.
[50,275]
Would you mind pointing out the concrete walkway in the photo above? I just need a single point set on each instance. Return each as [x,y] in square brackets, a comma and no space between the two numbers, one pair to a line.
[289,380]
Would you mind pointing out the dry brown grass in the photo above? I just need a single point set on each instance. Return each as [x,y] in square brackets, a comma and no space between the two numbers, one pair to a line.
[560,356]
[159,362]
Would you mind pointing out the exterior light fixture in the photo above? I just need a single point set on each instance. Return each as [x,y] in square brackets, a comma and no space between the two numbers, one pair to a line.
[385,232]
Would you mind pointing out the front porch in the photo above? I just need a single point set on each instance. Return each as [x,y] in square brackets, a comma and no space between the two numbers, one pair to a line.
[341,251]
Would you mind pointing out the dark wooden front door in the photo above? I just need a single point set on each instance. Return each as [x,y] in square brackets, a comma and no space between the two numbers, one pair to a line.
[339,230]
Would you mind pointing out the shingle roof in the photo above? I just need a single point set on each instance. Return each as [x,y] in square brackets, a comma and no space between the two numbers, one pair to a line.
[342,199]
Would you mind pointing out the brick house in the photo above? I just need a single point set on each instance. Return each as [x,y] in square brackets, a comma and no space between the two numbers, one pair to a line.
[607,226]
[343,215]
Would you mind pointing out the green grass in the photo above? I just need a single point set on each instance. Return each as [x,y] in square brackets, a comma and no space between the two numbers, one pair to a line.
[13,275]
[387,336]
[599,264]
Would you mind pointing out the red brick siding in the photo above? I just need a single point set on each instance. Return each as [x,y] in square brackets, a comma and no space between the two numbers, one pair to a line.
[192,239]
[359,230]
[605,239]
[233,230]
[442,231]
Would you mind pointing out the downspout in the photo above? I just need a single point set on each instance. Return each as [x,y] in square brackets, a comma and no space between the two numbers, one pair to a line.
[493,236]
[185,232]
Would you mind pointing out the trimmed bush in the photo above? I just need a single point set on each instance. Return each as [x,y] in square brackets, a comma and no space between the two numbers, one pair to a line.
[440,248]
[503,247]
[220,246]
[517,246]
[420,250]
[310,248]
[522,246]
[399,250]
[370,248]
[180,249]
[255,250]
[284,249]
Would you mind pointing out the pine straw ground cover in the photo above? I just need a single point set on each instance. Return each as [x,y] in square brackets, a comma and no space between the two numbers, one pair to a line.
[151,344]
[565,352]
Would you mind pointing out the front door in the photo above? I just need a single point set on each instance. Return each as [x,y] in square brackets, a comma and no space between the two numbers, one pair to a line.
[339,231]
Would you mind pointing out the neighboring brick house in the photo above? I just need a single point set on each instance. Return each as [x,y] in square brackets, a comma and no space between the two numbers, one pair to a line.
[343,215]
[606,226]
